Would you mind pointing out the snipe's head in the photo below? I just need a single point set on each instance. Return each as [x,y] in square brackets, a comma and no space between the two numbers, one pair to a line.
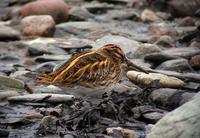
[114,52]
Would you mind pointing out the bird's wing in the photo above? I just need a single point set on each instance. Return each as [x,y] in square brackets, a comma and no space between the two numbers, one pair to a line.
[84,68]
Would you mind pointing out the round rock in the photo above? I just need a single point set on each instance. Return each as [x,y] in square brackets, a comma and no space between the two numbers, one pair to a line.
[195,62]
[40,25]
[146,49]
[149,16]
[58,9]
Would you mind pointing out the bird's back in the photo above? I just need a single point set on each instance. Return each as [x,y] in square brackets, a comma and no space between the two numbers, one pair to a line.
[90,69]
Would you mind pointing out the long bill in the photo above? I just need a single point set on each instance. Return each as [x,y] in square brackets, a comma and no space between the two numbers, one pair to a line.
[131,65]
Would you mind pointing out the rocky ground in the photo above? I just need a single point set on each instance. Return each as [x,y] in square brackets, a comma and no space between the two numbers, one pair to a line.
[157,35]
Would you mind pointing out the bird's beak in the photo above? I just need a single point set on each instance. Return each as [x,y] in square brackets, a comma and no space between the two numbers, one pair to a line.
[131,65]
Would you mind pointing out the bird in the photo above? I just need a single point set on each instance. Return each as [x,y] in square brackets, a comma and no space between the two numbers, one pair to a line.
[91,69]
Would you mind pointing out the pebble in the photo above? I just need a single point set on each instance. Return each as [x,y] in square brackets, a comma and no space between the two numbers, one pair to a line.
[98,8]
[128,45]
[158,57]
[123,14]
[182,122]
[184,7]
[187,21]
[165,41]
[146,79]
[195,44]
[46,67]
[149,16]
[46,58]
[175,65]
[195,62]
[79,28]
[50,89]
[153,117]
[8,33]
[11,82]
[160,29]
[45,97]
[79,14]
[145,49]
[38,49]
[6,68]
[38,25]
[184,52]
[170,98]
[58,9]
[24,75]
[7,93]
[121,132]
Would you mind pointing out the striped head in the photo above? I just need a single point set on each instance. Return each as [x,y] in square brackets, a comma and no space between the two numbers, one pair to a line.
[113,51]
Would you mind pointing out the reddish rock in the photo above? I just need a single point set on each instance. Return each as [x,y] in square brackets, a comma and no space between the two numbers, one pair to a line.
[187,21]
[184,7]
[58,9]
[195,62]
[39,25]
[160,29]
[195,44]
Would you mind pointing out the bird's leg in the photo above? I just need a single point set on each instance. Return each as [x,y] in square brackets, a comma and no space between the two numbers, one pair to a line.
[131,65]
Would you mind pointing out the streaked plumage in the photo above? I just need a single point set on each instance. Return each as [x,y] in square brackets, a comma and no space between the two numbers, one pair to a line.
[90,69]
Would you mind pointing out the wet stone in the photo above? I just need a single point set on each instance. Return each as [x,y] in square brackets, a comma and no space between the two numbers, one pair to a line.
[145,49]
[165,41]
[11,82]
[7,69]
[40,25]
[9,58]
[185,118]
[79,28]
[128,45]
[38,49]
[79,14]
[175,65]
[46,58]
[164,80]
[170,98]
[158,58]
[195,62]
[46,67]
[185,52]
[58,9]
[23,75]
[8,33]
[185,97]
[98,8]
[5,94]
[160,29]
[123,14]
[195,44]
[187,21]
[121,132]
[50,89]
[149,16]
[183,8]
[152,117]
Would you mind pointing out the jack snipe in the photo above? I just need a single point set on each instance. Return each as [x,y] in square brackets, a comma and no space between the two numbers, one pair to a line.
[91,69]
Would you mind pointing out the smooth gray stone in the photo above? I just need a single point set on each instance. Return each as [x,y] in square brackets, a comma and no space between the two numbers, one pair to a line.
[185,52]
[11,82]
[183,122]
[8,33]
[175,65]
